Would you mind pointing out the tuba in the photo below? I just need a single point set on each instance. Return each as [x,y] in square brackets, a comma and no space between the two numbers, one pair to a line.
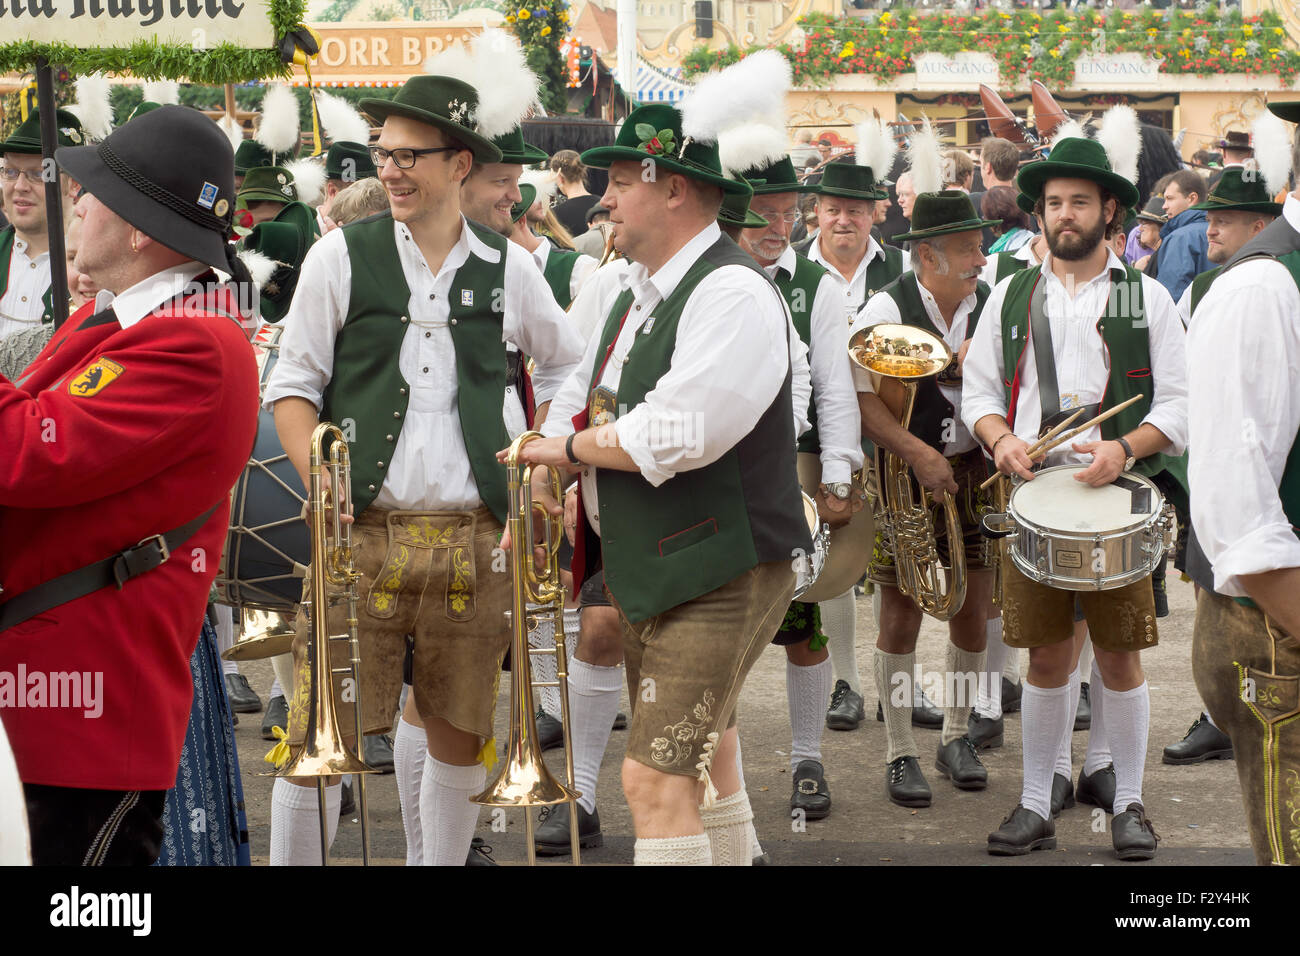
[908,354]
[524,779]
[324,752]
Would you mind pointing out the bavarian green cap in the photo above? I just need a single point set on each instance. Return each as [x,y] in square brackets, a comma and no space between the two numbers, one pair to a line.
[349,162]
[528,192]
[266,184]
[1077,158]
[778,177]
[442,102]
[515,150]
[1241,188]
[850,181]
[251,154]
[285,240]
[943,213]
[27,137]
[735,210]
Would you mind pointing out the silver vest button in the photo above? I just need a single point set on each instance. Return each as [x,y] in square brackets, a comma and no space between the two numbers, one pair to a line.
[405,319]
[397,414]
[389,437]
[371,487]
[379,464]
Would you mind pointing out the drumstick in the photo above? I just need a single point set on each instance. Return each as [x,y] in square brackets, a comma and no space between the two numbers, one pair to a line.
[1041,449]
[1033,450]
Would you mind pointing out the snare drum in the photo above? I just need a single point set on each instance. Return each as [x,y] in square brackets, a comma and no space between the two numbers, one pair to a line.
[1066,534]
[808,567]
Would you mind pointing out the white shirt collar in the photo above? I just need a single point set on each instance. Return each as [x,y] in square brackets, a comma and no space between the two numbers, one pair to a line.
[1291,211]
[1026,252]
[873,249]
[542,253]
[785,262]
[139,300]
[1112,263]
[468,244]
[932,305]
[666,279]
[20,245]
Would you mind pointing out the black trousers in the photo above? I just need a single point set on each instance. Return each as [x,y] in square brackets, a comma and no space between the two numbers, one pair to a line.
[71,826]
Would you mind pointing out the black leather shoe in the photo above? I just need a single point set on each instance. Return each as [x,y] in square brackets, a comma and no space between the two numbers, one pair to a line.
[1011,696]
[1204,741]
[241,696]
[1083,716]
[960,763]
[480,854]
[1098,788]
[811,795]
[985,732]
[1133,835]
[845,711]
[552,837]
[620,721]
[905,784]
[1062,793]
[924,715]
[377,751]
[1022,832]
[348,801]
[550,732]
[277,715]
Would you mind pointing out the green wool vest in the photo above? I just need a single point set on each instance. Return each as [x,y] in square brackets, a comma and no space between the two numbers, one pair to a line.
[367,386]
[881,272]
[799,291]
[665,546]
[7,236]
[933,416]
[1124,332]
[1008,265]
[559,274]
[1201,285]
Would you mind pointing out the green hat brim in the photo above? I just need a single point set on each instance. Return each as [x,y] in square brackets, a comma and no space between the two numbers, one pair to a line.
[602,156]
[772,189]
[873,195]
[26,139]
[529,157]
[527,196]
[1031,178]
[484,150]
[1289,111]
[966,225]
[259,195]
[752,220]
[1266,208]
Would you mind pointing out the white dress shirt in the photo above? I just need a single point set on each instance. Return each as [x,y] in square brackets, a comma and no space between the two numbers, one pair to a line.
[1025,253]
[430,468]
[1081,360]
[732,350]
[1244,408]
[1185,306]
[133,304]
[592,304]
[839,423]
[853,293]
[22,302]
[881,309]
[582,269]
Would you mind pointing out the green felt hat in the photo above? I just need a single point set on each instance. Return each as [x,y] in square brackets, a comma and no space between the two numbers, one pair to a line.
[779,177]
[1077,158]
[349,162]
[27,137]
[250,154]
[1154,211]
[443,102]
[145,106]
[850,181]
[266,183]
[285,240]
[515,150]
[655,131]
[943,213]
[1289,111]
[528,192]
[1235,191]
[735,209]
[1025,203]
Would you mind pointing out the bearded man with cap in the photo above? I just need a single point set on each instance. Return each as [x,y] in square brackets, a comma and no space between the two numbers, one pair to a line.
[401,323]
[1015,387]
[151,391]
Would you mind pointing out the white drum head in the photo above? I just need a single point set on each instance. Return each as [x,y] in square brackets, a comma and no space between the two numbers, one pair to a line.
[1053,499]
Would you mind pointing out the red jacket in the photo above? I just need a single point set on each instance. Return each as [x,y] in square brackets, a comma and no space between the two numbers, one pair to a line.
[114,435]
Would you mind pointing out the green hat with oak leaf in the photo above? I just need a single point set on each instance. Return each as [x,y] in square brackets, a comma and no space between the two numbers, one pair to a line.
[654,133]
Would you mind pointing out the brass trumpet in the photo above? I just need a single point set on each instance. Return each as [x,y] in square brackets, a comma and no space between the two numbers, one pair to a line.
[324,752]
[908,354]
[524,779]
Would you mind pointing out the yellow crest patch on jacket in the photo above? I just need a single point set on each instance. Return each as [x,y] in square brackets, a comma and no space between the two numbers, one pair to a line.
[96,377]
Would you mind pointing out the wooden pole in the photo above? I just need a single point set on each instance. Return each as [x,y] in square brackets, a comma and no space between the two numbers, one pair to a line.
[53,194]
[230,102]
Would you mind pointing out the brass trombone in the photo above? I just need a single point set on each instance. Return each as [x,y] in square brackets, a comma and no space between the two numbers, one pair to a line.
[524,779]
[324,752]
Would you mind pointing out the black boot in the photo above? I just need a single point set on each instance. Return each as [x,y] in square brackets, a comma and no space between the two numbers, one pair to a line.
[905,784]
[845,711]
[811,795]
[1097,789]
[1022,832]
[277,715]
[959,762]
[1204,741]
[1132,834]
[241,696]
[550,732]
[985,732]
[552,837]
[1062,793]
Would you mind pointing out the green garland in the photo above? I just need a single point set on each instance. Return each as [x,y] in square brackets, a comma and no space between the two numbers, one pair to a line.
[157,61]
[541,26]
[1029,45]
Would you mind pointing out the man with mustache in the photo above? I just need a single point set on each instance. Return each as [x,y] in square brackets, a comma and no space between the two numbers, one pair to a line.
[1101,333]
[943,295]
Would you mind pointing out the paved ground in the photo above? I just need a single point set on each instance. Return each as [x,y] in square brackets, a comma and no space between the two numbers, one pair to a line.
[1195,809]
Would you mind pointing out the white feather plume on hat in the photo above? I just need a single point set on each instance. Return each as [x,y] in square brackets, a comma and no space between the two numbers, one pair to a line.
[876,147]
[309,178]
[260,266]
[1271,138]
[233,130]
[494,64]
[92,106]
[925,159]
[752,146]
[751,89]
[1070,129]
[1120,135]
[341,121]
[279,129]
[543,180]
[162,92]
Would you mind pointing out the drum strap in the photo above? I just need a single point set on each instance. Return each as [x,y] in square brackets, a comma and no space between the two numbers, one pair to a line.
[1049,395]
[150,553]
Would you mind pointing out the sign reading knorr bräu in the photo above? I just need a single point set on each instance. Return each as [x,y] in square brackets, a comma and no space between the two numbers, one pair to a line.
[198,24]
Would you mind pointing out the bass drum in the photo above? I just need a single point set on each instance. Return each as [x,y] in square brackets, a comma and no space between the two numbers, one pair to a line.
[268,546]
[848,547]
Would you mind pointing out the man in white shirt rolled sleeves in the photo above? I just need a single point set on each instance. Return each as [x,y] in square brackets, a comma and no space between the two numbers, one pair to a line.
[398,332]
[680,421]
[942,294]
[1113,334]
[1242,352]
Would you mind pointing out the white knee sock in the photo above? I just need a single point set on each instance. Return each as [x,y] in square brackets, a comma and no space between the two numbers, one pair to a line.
[1210,719]
[446,815]
[295,822]
[967,666]
[1046,717]
[1064,764]
[1128,719]
[1098,755]
[544,664]
[839,621]
[898,720]
[726,824]
[276,689]
[807,690]
[989,702]
[410,747]
[282,664]
[1011,667]
[225,628]
[593,705]
[1086,657]
[693,850]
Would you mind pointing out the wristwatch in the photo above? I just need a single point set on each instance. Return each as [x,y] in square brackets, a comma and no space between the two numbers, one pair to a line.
[1129,460]
[840,489]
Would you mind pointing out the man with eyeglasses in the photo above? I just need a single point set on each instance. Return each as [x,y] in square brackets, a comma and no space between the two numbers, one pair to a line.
[26,295]
[399,330]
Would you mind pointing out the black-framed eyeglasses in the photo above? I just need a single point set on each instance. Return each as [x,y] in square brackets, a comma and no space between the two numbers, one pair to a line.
[405,158]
